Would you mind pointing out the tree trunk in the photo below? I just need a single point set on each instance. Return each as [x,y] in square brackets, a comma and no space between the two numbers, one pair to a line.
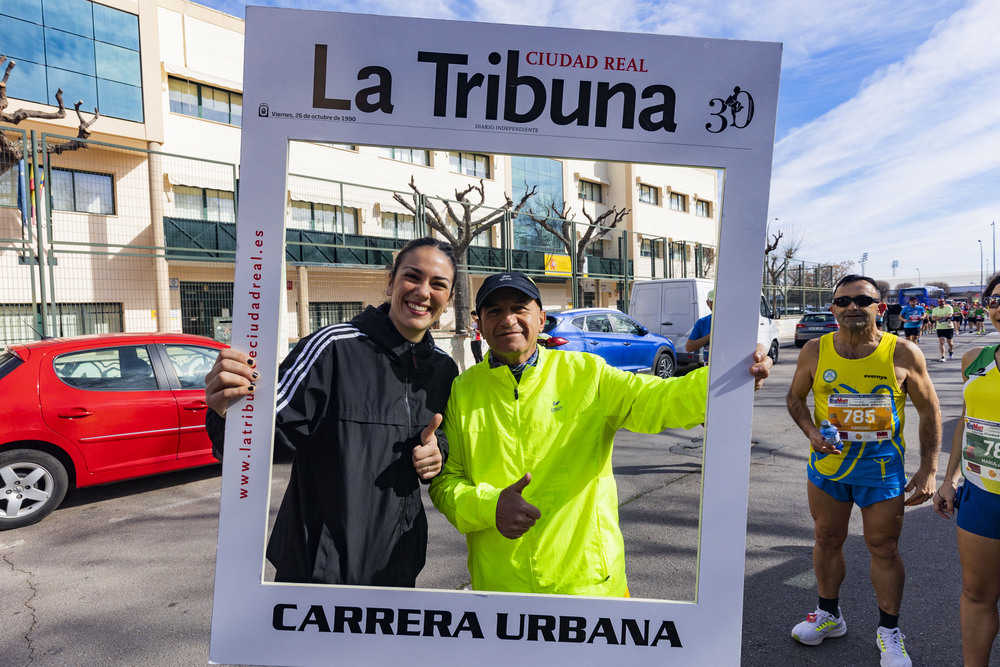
[463,290]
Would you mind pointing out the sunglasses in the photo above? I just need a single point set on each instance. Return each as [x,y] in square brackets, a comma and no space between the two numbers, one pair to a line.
[992,301]
[863,301]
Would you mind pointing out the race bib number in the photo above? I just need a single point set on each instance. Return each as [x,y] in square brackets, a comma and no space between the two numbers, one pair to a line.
[982,448]
[862,417]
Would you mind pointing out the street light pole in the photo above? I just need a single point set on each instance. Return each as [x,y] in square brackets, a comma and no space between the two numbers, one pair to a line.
[864,258]
[920,283]
[994,226]
[981,283]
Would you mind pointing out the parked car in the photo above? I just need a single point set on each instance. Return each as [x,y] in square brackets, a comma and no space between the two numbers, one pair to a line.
[623,342]
[89,410]
[814,325]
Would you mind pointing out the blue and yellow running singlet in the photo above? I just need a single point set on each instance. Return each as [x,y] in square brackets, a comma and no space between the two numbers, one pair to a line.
[863,399]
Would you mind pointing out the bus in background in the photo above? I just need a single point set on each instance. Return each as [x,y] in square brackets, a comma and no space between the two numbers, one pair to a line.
[926,296]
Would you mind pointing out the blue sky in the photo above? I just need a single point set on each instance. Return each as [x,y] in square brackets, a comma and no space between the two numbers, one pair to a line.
[888,136]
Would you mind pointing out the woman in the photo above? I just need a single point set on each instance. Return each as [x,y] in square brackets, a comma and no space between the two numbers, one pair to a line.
[359,404]
[975,453]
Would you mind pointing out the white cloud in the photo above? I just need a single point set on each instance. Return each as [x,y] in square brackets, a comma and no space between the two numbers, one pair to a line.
[899,170]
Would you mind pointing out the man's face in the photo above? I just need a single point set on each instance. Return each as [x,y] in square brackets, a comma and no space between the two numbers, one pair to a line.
[853,317]
[510,321]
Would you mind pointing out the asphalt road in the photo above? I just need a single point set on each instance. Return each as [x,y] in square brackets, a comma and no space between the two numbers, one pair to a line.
[123,575]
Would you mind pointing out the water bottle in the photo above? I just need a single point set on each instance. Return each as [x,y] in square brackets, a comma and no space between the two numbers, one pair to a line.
[830,433]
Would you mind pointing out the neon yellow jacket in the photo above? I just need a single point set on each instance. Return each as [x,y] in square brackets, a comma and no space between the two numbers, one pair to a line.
[558,424]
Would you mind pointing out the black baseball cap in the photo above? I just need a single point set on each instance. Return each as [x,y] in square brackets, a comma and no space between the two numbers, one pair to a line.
[515,280]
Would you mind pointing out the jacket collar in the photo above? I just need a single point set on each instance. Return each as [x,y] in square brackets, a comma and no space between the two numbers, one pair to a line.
[374,322]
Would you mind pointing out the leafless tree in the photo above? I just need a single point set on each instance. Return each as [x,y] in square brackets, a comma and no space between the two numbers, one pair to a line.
[458,223]
[11,152]
[559,223]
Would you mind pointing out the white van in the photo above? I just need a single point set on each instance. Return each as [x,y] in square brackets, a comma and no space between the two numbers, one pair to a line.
[671,306]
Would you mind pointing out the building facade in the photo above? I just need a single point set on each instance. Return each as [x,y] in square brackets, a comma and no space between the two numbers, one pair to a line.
[136,230]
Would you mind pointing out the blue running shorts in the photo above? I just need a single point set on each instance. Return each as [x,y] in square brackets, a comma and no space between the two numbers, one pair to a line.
[862,496]
[978,511]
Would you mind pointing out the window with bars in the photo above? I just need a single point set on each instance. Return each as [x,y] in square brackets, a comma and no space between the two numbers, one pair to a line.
[324,217]
[678,202]
[324,313]
[590,191]
[82,192]
[199,100]
[649,194]
[204,204]
[470,164]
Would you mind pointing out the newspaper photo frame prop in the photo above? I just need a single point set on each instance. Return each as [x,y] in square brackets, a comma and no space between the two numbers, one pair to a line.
[496,89]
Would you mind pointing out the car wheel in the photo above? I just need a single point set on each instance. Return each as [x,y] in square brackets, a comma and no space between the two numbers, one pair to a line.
[32,484]
[664,366]
[773,352]
[799,343]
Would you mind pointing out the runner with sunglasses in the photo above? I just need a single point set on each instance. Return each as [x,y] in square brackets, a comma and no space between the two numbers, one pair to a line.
[860,377]
[974,456]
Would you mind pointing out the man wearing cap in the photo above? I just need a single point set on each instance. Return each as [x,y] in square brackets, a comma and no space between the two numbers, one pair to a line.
[529,478]
[698,338]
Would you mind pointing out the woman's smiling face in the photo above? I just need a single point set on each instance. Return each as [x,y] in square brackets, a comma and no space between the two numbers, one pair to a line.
[419,291]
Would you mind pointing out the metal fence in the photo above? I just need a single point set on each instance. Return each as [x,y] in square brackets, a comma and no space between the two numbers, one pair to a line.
[793,286]
[113,238]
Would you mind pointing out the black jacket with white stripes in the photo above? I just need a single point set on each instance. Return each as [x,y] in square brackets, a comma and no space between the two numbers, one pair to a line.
[351,401]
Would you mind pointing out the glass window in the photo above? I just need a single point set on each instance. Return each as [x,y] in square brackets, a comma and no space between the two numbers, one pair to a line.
[578,323]
[590,191]
[29,10]
[398,225]
[649,194]
[117,64]
[120,100]
[69,52]
[9,187]
[191,363]
[411,155]
[201,101]
[546,175]
[324,313]
[220,206]
[75,86]
[82,192]
[183,97]
[624,325]
[21,41]
[28,82]
[76,16]
[678,202]
[646,248]
[116,27]
[324,217]
[598,324]
[702,208]
[470,164]
[107,369]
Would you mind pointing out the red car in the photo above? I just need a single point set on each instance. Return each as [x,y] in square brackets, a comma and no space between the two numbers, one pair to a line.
[96,409]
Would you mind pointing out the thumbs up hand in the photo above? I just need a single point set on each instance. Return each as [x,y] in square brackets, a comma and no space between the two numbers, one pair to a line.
[426,456]
[515,515]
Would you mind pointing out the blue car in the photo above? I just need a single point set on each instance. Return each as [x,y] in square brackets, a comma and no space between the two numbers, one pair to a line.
[623,342]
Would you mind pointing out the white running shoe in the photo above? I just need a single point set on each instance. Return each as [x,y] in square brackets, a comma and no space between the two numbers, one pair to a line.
[890,643]
[818,626]
[941,359]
